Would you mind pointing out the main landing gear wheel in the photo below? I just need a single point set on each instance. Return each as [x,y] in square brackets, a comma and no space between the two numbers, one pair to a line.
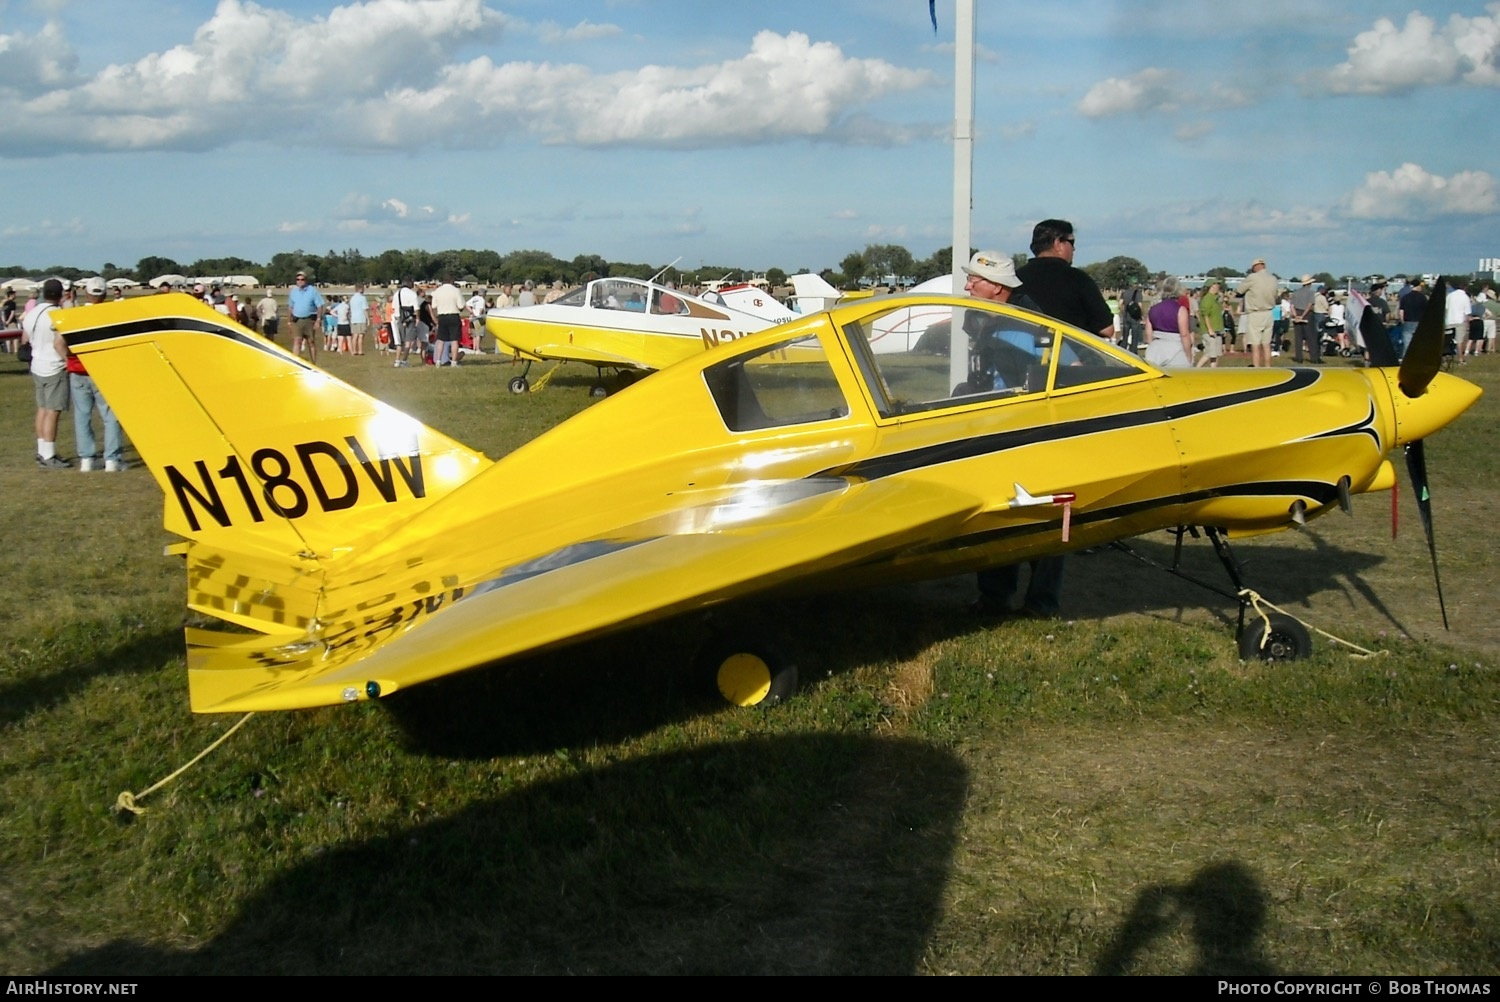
[747,674]
[518,385]
[598,391]
[1286,639]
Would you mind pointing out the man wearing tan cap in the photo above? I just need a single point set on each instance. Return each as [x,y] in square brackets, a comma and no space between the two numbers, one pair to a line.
[992,276]
[1258,291]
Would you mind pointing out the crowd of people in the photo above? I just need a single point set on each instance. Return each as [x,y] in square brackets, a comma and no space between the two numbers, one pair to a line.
[1176,328]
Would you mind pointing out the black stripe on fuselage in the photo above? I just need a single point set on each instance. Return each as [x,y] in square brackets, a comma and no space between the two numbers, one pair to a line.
[981,445]
[1320,492]
[1363,427]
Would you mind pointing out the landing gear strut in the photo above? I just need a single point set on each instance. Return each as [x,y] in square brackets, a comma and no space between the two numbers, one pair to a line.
[1269,637]
[520,384]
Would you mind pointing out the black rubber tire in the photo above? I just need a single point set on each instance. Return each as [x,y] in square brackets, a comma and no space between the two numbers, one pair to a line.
[1288,640]
[598,391]
[518,385]
[746,672]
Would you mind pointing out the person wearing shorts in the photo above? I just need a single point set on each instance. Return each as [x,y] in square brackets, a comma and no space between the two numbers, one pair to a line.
[405,327]
[49,371]
[305,305]
[1258,290]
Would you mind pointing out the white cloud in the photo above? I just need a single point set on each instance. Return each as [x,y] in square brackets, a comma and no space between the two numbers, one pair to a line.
[1189,132]
[787,86]
[1411,192]
[1151,89]
[379,74]
[553,33]
[1213,218]
[46,229]
[1387,59]
[845,214]
[31,64]
[1016,131]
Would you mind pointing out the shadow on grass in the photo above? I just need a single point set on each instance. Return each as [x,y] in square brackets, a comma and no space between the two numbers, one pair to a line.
[1108,583]
[630,683]
[71,659]
[795,855]
[1224,910]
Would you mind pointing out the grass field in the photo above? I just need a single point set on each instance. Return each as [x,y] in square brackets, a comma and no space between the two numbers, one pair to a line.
[1115,791]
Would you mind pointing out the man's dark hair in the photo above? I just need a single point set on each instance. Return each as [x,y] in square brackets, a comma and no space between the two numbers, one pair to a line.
[52,290]
[1048,232]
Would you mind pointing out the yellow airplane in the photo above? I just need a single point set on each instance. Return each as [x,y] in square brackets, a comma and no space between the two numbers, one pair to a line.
[632,325]
[333,532]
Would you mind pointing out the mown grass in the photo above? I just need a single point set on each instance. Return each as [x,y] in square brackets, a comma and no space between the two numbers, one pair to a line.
[1115,791]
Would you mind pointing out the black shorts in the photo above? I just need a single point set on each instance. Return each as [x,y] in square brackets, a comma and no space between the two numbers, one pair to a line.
[450,326]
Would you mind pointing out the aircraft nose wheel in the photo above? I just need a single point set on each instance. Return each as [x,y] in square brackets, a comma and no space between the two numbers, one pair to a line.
[1286,639]
[598,391]
[518,385]
[746,673]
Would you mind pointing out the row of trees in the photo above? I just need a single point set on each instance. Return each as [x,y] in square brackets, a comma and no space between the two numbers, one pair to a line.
[350,267]
[873,265]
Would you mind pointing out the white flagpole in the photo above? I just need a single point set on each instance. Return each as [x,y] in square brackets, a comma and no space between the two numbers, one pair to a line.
[963,169]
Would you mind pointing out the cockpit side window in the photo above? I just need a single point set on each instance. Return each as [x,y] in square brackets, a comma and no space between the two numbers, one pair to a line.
[789,383]
[617,294]
[906,355]
[1084,361]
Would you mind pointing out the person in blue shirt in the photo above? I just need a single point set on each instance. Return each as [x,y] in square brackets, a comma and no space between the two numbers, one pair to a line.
[305,304]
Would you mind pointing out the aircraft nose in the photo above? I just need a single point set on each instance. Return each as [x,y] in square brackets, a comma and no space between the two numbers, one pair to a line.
[1446,397]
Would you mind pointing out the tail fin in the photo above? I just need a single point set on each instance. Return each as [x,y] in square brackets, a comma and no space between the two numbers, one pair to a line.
[258,452]
[813,293]
[756,302]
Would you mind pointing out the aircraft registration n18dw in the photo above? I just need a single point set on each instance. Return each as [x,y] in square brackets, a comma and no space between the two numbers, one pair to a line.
[794,458]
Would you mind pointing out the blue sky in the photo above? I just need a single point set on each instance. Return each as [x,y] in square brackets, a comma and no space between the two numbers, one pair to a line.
[1322,134]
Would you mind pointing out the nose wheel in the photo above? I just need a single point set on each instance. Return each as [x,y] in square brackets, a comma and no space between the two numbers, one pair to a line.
[1275,638]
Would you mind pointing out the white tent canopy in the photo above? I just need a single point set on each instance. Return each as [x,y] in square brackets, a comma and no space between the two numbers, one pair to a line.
[19,284]
[161,280]
[122,283]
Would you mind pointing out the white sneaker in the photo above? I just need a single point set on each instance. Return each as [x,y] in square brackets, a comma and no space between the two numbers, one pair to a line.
[115,466]
[86,464]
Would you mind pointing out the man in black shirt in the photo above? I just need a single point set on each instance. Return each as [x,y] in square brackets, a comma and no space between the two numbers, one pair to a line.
[1411,307]
[1063,291]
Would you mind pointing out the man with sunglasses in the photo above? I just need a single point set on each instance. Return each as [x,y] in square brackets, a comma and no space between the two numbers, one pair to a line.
[305,304]
[1061,290]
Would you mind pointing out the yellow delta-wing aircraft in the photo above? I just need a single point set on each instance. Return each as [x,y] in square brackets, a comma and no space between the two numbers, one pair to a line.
[354,544]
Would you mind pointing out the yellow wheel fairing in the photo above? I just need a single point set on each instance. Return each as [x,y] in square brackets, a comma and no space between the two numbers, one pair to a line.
[744,679]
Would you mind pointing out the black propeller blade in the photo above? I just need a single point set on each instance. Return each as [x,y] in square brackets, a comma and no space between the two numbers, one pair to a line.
[1416,466]
[1424,356]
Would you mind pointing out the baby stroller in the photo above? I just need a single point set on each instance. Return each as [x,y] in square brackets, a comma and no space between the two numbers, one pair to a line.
[1333,339]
